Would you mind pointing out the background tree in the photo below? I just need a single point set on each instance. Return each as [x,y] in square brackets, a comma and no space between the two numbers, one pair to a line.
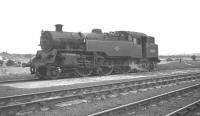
[1,62]
[169,59]
[193,57]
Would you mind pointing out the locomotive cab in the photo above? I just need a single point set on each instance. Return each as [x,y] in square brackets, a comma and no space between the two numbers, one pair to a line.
[151,48]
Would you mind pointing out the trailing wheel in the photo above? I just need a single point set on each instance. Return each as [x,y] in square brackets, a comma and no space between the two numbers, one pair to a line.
[151,66]
[125,69]
[135,70]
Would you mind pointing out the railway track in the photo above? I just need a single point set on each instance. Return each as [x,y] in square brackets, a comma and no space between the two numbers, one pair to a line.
[185,110]
[125,110]
[37,101]
[18,81]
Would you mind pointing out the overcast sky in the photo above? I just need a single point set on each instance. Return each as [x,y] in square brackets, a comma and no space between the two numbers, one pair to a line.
[174,23]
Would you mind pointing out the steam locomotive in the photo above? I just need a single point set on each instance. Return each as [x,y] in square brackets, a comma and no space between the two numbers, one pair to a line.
[84,54]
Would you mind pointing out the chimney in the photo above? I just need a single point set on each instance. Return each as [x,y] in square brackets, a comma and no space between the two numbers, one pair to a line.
[59,27]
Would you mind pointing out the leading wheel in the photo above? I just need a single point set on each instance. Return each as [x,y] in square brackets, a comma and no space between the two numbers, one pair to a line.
[47,72]
[41,72]
[52,73]
[32,70]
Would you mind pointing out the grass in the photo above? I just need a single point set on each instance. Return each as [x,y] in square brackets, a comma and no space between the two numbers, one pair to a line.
[177,65]
[14,73]
[13,70]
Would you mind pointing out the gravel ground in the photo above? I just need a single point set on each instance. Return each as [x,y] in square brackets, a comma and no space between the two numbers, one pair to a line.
[103,103]
[194,113]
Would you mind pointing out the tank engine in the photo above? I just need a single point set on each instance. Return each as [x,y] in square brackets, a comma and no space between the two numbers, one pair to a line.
[83,54]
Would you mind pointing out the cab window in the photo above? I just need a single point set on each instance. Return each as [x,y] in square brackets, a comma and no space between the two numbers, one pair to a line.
[151,40]
[138,41]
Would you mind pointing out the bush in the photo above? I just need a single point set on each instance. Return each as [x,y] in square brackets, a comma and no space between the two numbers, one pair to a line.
[10,63]
[169,59]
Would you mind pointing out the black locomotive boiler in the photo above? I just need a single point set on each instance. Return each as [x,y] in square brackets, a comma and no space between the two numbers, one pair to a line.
[84,54]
